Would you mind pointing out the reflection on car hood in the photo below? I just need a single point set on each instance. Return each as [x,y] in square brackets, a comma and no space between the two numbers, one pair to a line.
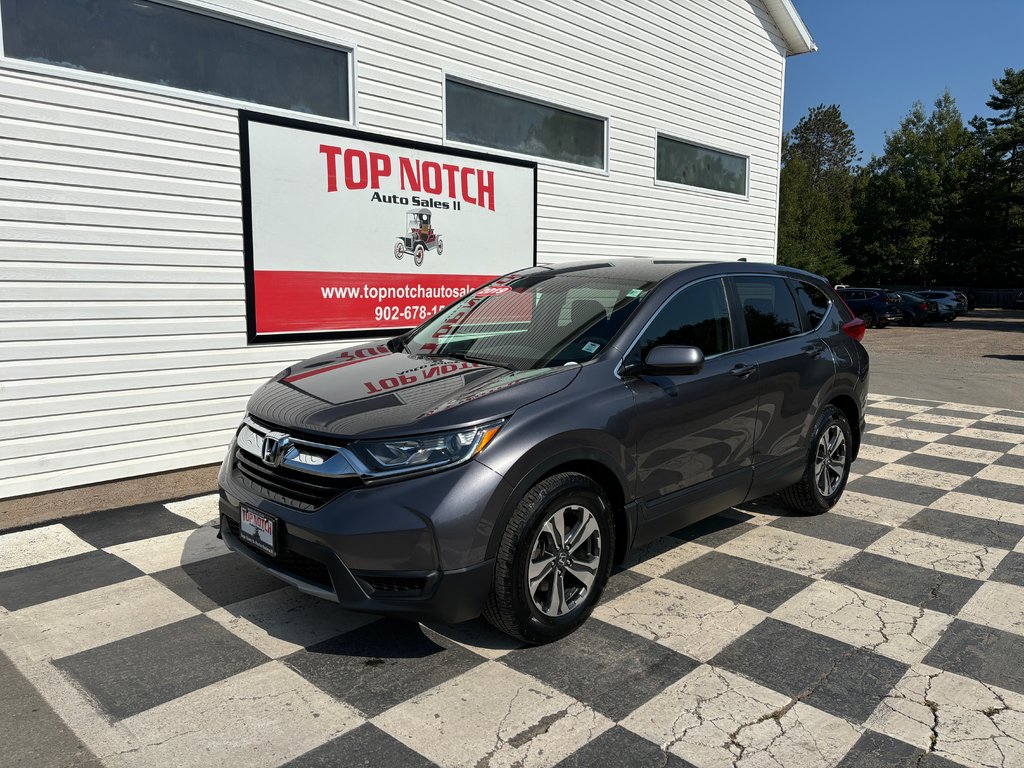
[372,391]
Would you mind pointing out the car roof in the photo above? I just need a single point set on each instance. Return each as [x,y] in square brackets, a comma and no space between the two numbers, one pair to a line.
[658,270]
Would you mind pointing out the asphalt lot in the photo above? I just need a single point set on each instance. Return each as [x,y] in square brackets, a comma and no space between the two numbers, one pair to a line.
[888,632]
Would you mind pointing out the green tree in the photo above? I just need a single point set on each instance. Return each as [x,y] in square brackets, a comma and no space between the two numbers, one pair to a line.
[910,223]
[815,192]
[1004,145]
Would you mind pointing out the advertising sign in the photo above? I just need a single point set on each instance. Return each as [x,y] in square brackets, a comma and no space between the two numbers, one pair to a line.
[354,235]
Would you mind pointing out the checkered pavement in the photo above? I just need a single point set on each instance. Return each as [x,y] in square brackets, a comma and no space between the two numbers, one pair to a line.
[889,632]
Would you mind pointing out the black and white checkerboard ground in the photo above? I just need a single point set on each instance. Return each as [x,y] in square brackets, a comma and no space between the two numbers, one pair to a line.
[889,632]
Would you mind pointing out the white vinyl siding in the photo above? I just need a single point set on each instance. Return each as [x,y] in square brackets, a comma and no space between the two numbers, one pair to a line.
[122,324]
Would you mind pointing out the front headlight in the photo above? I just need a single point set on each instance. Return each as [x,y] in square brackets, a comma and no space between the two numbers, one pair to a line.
[383,458]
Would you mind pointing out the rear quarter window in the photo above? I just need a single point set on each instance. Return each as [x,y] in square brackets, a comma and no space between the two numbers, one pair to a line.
[812,303]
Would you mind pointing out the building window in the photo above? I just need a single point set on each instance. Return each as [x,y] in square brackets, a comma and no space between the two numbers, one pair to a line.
[487,118]
[168,45]
[682,163]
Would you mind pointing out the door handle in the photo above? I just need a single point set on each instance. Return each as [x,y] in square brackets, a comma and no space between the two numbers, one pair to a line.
[742,370]
[813,350]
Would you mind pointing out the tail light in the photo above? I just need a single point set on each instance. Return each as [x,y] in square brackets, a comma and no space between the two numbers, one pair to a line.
[855,329]
[924,307]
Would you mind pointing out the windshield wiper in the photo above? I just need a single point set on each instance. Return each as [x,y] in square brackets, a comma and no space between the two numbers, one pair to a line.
[469,359]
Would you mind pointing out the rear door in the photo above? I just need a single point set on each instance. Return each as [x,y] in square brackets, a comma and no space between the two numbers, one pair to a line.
[693,434]
[795,367]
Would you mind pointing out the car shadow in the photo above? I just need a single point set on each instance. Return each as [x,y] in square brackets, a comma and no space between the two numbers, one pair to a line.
[1005,357]
[285,623]
[1004,323]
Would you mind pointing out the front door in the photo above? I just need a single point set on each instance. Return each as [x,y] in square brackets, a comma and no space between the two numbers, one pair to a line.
[693,434]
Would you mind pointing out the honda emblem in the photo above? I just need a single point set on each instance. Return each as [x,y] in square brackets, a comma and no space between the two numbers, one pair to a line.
[275,447]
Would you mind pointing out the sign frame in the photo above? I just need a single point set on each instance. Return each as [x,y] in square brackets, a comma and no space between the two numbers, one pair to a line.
[245,117]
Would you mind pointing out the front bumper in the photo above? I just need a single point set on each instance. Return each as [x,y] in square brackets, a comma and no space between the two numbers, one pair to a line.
[413,548]
[450,597]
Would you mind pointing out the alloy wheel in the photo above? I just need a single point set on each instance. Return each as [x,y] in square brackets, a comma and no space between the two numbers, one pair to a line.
[564,560]
[830,460]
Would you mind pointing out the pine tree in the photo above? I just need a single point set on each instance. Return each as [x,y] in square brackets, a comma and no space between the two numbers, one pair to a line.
[814,192]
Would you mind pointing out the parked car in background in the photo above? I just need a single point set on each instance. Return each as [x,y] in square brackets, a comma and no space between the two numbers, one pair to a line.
[915,308]
[967,303]
[946,300]
[536,430]
[875,306]
[1018,303]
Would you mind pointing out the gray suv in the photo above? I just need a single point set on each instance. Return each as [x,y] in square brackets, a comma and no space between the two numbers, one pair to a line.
[500,458]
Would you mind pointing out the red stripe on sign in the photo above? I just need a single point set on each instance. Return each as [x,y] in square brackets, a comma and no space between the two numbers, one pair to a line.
[291,302]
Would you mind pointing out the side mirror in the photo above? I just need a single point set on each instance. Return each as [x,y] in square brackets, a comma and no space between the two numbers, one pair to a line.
[675,360]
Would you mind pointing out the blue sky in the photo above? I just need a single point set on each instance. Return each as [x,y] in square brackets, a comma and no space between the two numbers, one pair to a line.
[876,57]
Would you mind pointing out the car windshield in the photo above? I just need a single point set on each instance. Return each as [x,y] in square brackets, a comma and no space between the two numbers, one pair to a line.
[533,320]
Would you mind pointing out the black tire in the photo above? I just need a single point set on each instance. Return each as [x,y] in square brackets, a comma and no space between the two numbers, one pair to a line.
[805,495]
[869,318]
[510,606]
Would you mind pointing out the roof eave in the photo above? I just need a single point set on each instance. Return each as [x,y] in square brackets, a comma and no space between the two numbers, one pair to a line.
[794,32]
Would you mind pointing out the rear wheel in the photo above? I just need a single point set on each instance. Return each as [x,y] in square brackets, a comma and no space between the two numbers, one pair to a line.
[869,318]
[828,465]
[553,561]
[417,255]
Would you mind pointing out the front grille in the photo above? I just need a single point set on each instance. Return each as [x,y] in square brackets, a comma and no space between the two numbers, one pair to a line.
[395,584]
[297,564]
[301,490]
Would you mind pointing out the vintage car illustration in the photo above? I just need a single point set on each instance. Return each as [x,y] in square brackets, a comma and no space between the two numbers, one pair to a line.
[419,237]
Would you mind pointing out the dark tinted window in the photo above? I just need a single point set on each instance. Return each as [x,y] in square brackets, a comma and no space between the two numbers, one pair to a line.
[768,308]
[166,45]
[491,119]
[683,163]
[812,302]
[698,316]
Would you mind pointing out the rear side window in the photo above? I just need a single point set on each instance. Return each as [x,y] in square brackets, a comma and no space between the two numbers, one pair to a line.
[697,316]
[768,308]
[812,302]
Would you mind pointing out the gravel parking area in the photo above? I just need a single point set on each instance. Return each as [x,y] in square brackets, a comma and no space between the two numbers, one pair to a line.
[978,358]
[887,632]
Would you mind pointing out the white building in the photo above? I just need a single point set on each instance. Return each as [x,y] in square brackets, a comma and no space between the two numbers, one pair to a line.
[122,299]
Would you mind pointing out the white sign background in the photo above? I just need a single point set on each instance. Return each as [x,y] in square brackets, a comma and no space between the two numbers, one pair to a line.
[299,225]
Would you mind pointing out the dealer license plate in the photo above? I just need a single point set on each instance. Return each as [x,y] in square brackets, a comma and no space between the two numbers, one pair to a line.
[258,530]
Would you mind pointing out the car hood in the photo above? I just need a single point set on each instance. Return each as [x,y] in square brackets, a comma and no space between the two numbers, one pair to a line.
[371,391]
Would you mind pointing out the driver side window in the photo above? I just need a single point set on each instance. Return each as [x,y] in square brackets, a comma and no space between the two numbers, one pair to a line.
[697,316]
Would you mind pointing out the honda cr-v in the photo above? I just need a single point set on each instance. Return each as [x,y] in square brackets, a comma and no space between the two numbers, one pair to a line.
[500,458]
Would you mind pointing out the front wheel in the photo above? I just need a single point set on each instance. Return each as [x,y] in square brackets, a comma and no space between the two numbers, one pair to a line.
[417,256]
[869,319]
[440,246]
[553,561]
[828,465]
[399,250]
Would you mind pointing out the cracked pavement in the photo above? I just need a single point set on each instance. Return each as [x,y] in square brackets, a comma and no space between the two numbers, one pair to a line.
[888,632]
